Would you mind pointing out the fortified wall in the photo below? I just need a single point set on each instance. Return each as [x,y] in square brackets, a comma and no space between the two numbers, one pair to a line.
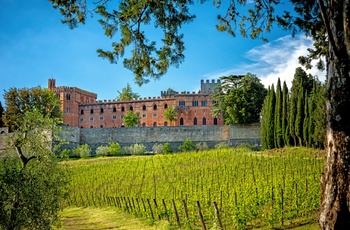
[233,135]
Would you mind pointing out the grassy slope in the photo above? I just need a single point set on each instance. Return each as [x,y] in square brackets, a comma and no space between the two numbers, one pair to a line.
[79,218]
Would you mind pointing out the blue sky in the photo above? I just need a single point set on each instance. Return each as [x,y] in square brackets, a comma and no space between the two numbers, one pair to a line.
[35,46]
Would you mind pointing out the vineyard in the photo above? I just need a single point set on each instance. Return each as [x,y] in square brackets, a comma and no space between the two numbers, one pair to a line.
[223,188]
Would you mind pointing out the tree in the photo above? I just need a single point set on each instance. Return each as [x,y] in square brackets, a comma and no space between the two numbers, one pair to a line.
[240,99]
[327,22]
[32,183]
[20,101]
[278,116]
[170,114]
[285,103]
[1,113]
[131,119]
[127,94]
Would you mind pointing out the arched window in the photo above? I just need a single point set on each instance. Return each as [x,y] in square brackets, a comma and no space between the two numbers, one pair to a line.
[91,126]
[123,109]
[101,110]
[114,109]
[82,111]
[154,124]
[181,121]
[143,124]
[143,107]
[204,121]
[165,106]
[101,126]
[195,121]
[67,97]
[154,107]
[91,111]
[165,123]
[131,108]
[215,121]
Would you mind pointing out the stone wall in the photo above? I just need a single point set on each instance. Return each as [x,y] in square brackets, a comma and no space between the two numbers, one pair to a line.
[148,136]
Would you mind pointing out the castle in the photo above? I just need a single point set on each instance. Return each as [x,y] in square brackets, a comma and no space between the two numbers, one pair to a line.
[82,109]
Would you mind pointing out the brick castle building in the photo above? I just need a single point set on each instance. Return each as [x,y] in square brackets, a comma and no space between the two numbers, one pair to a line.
[81,108]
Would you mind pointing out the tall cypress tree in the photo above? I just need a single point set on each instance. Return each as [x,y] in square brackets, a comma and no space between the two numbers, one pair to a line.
[1,113]
[285,106]
[306,123]
[270,118]
[264,120]
[299,118]
[278,135]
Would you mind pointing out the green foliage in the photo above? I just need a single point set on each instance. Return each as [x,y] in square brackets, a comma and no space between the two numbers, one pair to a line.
[136,149]
[127,94]
[240,99]
[167,148]
[1,114]
[102,150]
[66,153]
[114,149]
[83,151]
[187,146]
[170,114]
[20,101]
[202,146]
[131,119]
[157,148]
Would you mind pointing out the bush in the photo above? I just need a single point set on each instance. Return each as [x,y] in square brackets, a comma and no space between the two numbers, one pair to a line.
[202,146]
[102,150]
[167,148]
[248,146]
[114,149]
[139,149]
[127,150]
[187,146]
[84,151]
[66,153]
[157,148]
[221,145]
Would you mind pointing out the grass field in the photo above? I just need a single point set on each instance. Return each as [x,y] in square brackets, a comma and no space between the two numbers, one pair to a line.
[254,190]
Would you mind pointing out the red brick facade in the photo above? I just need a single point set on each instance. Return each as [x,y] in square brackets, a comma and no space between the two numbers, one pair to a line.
[81,109]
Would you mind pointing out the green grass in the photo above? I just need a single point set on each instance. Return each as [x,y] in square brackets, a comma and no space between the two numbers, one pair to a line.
[79,218]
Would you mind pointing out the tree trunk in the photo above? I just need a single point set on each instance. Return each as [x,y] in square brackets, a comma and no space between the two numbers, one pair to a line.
[335,184]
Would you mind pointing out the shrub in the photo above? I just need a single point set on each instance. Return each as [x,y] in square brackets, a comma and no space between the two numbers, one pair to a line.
[187,146]
[167,148]
[84,151]
[157,148]
[102,150]
[221,145]
[66,153]
[202,146]
[127,150]
[247,146]
[139,149]
[114,149]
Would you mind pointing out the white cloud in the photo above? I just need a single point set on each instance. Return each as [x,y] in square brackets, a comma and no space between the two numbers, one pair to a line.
[278,58]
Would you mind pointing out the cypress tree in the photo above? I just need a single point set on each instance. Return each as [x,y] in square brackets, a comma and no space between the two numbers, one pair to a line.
[270,118]
[1,113]
[307,121]
[284,123]
[299,119]
[278,135]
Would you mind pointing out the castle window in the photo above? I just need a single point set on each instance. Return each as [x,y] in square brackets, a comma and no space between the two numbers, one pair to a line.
[114,117]
[154,124]
[194,103]
[204,121]
[195,121]
[101,126]
[82,111]
[91,111]
[67,97]
[214,103]
[144,115]
[215,121]
[165,123]
[101,118]
[131,108]
[181,121]
[91,126]
[204,103]
[81,119]
[101,110]
[154,114]
[143,107]
[143,124]
[181,103]
[114,109]
[67,110]
[154,107]
[123,109]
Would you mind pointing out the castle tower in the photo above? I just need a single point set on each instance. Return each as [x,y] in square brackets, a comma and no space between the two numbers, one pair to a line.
[209,87]
[51,84]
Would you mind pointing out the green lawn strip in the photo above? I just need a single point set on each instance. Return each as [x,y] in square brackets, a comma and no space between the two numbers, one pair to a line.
[79,218]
